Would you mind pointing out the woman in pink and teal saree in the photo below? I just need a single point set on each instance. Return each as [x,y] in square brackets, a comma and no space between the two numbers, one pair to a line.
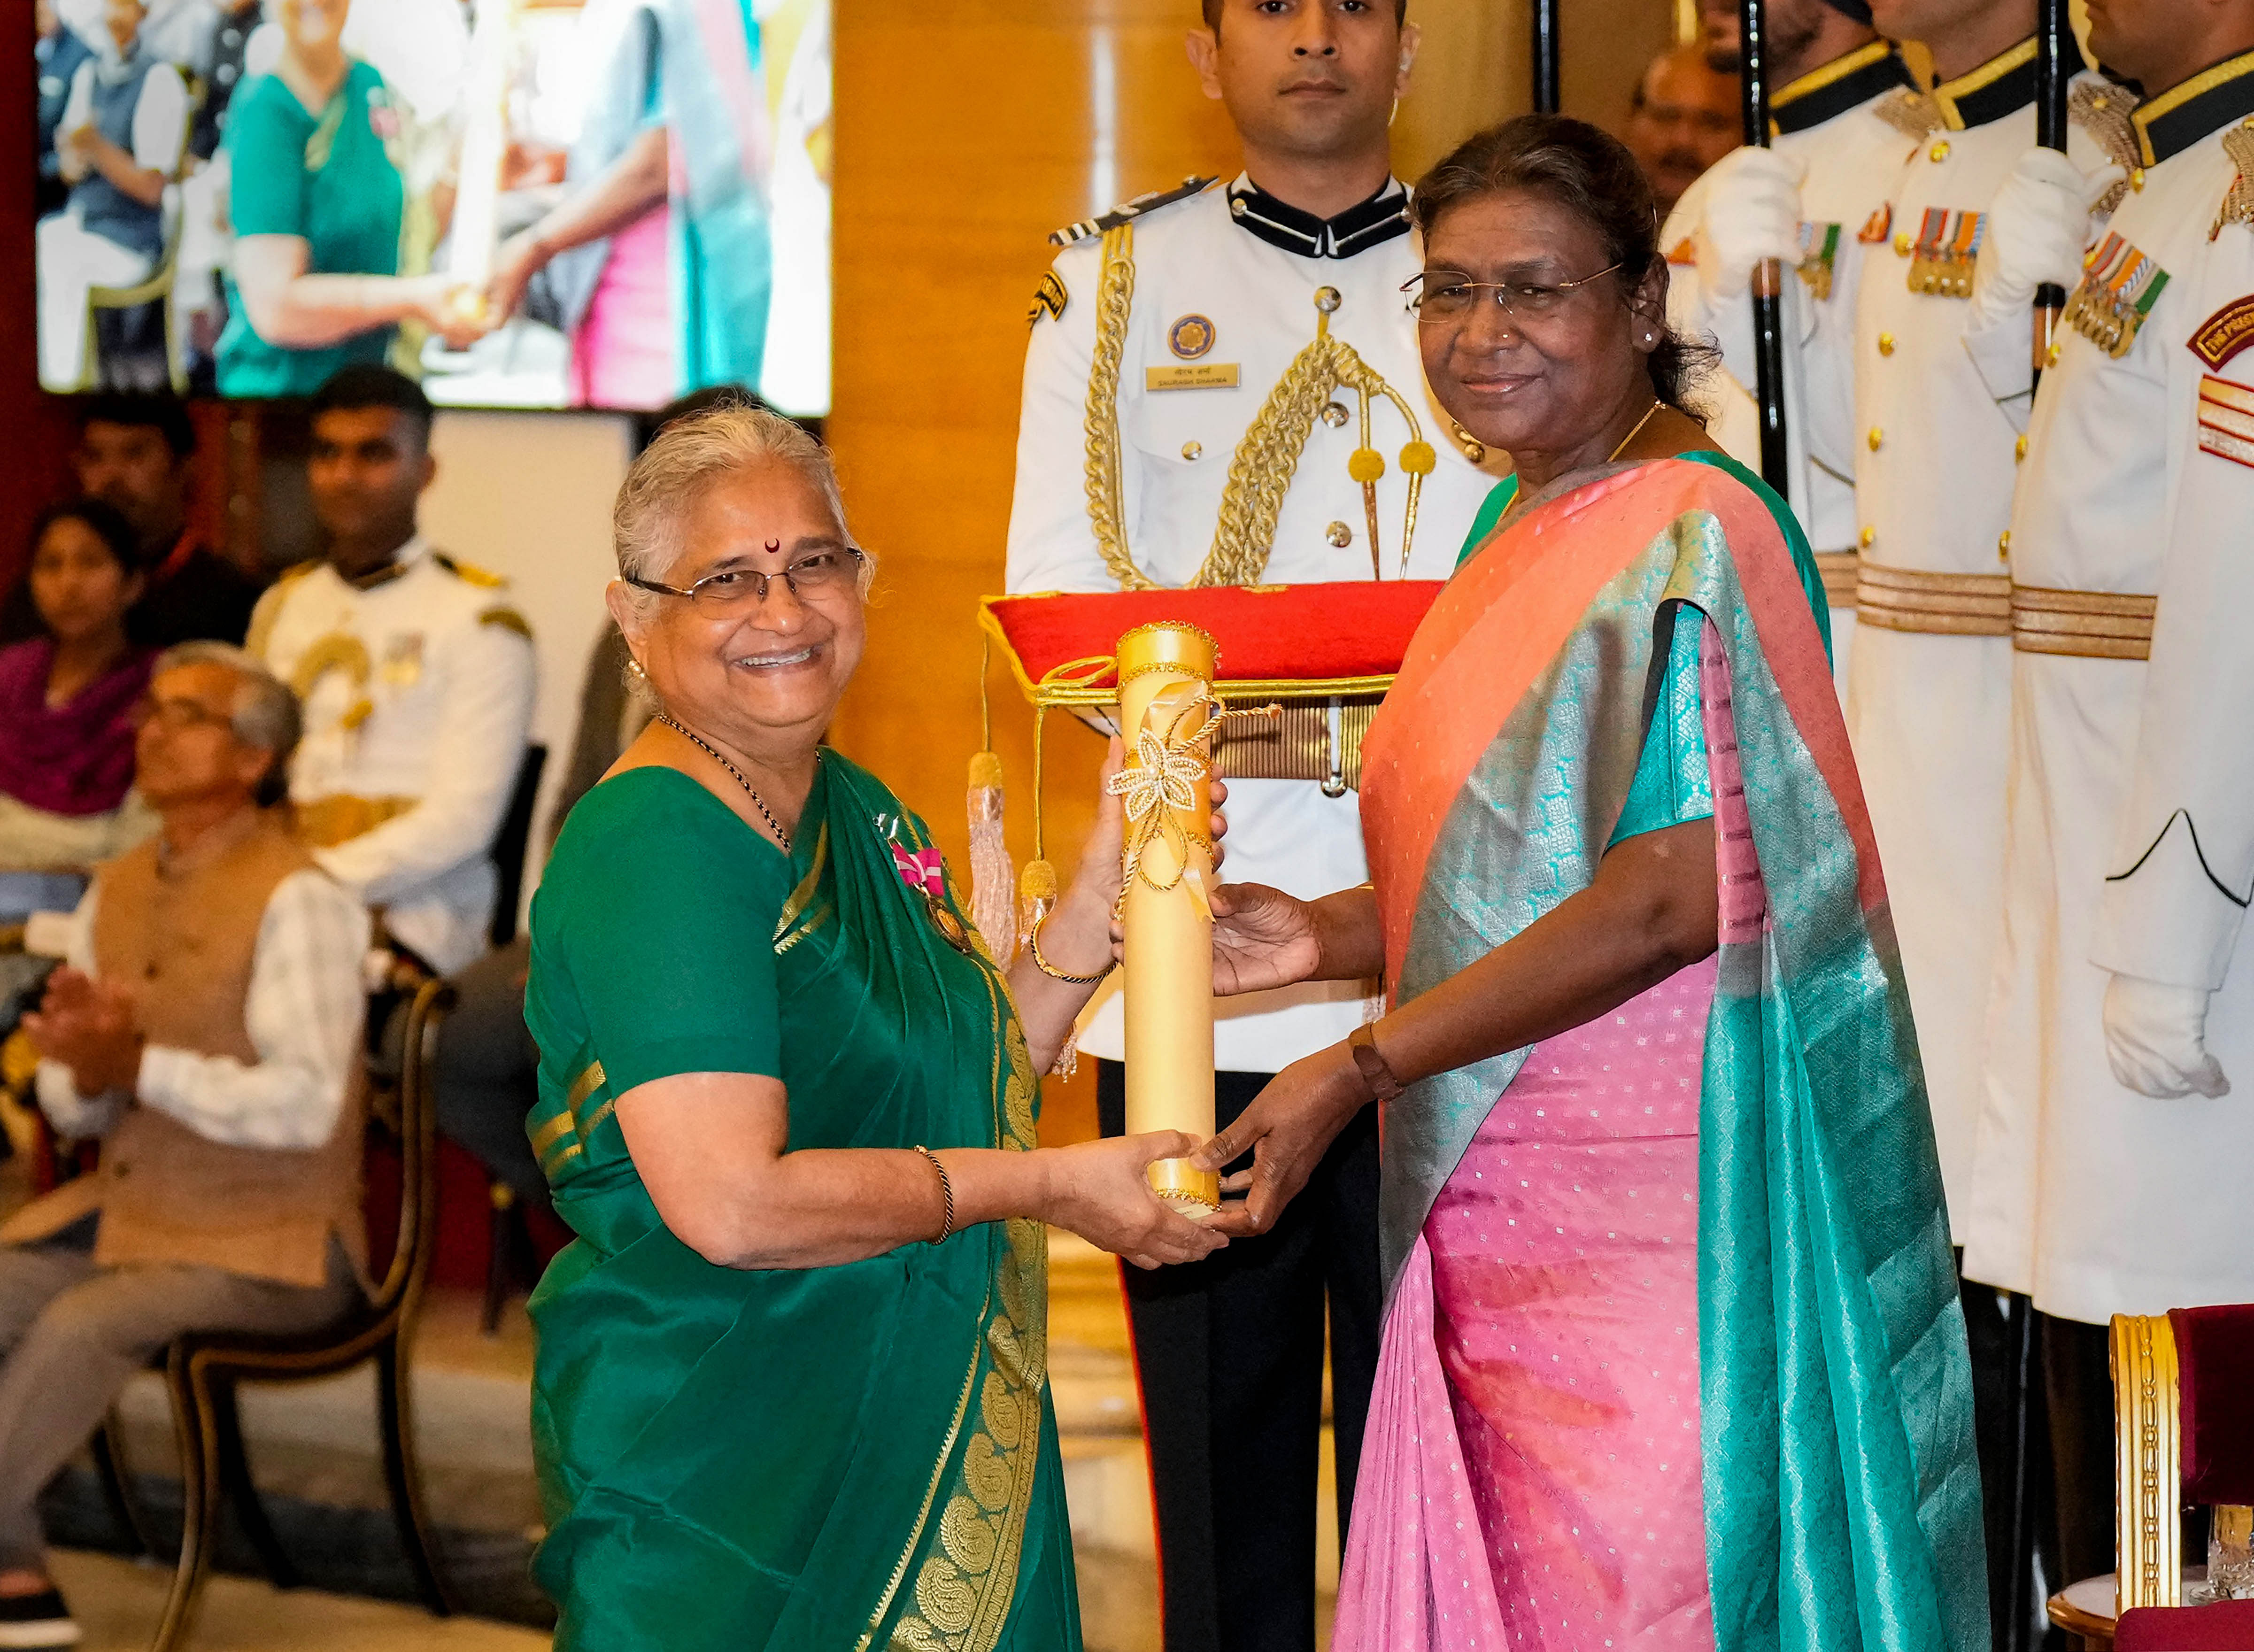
[1673,1356]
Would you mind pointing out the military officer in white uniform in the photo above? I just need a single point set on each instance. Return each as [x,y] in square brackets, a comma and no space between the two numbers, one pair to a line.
[416,676]
[2111,1165]
[1929,690]
[1229,285]
[1832,163]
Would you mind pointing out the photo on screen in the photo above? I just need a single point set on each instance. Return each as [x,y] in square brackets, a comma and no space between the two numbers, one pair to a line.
[523,203]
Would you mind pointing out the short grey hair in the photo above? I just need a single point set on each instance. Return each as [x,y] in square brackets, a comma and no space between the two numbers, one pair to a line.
[265,713]
[689,455]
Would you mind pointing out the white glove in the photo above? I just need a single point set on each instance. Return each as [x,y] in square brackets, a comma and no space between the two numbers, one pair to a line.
[1753,212]
[2155,1039]
[2038,229]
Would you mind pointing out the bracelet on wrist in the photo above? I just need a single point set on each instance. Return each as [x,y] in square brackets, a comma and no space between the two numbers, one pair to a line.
[945,1196]
[1377,1074]
[1033,951]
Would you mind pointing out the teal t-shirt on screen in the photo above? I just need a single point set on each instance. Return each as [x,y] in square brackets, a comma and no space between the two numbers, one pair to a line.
[331,181]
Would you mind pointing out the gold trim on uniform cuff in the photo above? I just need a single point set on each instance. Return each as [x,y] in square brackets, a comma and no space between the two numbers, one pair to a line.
[1944,604]
[2094,625]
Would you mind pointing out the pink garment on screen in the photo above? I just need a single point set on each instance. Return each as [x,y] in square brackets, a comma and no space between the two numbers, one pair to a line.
[1536,1402]
[622,355]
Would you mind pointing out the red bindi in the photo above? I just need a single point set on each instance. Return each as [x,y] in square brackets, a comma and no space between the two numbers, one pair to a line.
[775,544]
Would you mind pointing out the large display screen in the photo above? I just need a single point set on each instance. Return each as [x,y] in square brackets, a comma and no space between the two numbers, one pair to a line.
[523,203]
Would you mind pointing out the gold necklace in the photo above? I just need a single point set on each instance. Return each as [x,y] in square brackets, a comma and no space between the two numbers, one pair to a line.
[1656,405]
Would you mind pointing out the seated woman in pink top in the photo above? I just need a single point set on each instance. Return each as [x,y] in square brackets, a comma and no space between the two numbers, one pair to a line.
[67,698]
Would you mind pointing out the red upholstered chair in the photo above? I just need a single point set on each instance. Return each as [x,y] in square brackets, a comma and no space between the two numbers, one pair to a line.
[2183,1433]
[2226,1627]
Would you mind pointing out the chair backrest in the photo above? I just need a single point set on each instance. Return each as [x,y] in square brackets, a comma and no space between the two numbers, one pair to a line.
[511,841]
[400,1287]
[2181,1434]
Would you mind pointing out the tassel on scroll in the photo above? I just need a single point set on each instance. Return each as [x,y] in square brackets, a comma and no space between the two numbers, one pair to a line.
[990,880]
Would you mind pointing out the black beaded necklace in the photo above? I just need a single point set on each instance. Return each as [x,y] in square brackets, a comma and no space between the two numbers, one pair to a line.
[742,779]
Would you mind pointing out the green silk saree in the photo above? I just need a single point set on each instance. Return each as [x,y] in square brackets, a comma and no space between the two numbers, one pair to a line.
[851,1457]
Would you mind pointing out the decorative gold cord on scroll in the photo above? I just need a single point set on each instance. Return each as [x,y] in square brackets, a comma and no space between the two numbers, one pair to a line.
[1160,784]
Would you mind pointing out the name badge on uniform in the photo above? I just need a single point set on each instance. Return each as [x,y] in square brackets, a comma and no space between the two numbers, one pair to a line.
[1195,375]
[2119,287]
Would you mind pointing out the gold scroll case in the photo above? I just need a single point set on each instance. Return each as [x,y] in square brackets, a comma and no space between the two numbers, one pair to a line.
[1166,920]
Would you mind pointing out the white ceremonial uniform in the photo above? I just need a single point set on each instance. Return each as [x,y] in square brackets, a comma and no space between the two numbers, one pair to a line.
[2132,802]
[418,696]
[1224,301]
[1929,695]
[1827,119]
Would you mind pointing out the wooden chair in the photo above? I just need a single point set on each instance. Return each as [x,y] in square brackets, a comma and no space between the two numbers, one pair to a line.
[202,1372]
[2183,1433]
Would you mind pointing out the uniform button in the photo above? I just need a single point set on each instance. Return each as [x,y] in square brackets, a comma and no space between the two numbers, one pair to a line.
[1878,439]
[2004,546]
[1191,450]
[1339,535]
[1335,414]
[1869,535]
[1328,300]
[1902,243]
[2019,450]
[1940,151]
[1885,344]
[2050,356]
[2137,180]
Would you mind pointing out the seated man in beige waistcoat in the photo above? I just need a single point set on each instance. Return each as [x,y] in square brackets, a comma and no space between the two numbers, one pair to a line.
[207,1024]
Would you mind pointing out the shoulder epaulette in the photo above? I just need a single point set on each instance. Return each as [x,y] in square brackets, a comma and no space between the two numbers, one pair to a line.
[468,571]
[1071,234]
[2238,204]
[506,618]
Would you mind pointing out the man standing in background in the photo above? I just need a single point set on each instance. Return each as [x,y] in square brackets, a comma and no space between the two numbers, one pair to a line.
[1228,286]
[1803,202]
[1684,117]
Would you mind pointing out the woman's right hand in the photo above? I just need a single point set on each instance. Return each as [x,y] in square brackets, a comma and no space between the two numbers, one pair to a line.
[1097,1191]
[1262,938]
[454,309]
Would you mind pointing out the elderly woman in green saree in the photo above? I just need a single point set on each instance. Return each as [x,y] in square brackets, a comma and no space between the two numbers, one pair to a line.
[1673,1357]
[791,1381]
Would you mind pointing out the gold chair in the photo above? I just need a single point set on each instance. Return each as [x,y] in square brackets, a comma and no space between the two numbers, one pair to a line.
[2151,1477]
[202,1372]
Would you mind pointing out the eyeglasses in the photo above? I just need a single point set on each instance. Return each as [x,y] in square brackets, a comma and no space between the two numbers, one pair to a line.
[176,714]
[825,573]
[1441,298]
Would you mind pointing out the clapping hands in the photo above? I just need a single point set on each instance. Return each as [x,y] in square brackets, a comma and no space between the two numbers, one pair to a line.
[87,1026]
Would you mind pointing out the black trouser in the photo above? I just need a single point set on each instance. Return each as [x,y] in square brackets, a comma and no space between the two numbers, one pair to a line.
[485,1078]
[1229,1351]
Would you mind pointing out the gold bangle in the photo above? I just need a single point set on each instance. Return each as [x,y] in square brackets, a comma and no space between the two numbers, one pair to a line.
[945,1196]
[1033,951]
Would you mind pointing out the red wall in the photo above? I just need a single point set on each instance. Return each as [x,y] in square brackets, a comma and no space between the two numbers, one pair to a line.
[35,430]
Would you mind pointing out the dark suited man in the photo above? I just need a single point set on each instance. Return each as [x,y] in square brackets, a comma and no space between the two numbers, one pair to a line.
[133,454]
